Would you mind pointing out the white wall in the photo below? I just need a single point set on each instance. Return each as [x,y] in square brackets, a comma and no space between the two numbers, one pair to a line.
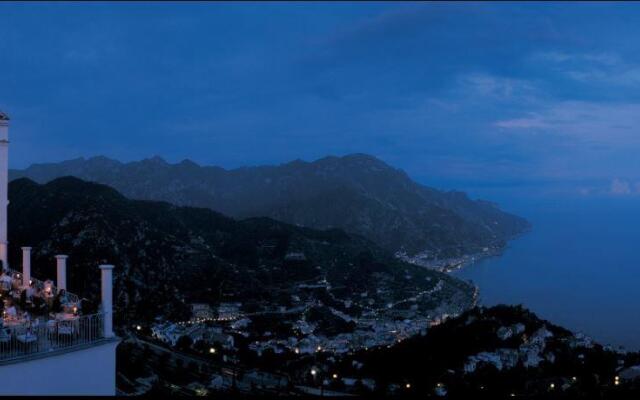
[91,371]
[4,181]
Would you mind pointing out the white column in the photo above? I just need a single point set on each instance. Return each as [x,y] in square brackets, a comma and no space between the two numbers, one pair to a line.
[61,264]
[3,256]
[107,299]
[26,266]
[4,187]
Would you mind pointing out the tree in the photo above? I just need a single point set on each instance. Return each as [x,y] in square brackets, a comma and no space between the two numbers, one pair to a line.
[194,367]
[184,343]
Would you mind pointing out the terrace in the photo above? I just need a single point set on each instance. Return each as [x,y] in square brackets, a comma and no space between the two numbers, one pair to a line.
[40,319]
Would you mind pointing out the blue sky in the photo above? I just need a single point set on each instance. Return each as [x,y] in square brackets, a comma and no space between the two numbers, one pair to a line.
[465,95]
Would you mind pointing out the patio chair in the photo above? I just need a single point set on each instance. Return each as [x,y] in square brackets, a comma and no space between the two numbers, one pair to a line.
[5,336]
[51,328]
[66,331]
[28,339]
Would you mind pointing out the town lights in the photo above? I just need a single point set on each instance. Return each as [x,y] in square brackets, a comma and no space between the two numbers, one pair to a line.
[552,386]
[314,371]
[212,350]
[319,348]
[297,350]
[616,380]
[408,386]
[138,328]
[335,376]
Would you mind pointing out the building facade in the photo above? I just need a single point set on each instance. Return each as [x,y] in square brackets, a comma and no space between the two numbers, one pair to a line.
[48,346]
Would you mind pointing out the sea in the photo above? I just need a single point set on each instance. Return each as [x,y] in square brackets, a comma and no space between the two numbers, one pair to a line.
[579,267]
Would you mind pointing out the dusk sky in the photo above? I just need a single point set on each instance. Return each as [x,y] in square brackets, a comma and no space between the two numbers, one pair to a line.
[459,94]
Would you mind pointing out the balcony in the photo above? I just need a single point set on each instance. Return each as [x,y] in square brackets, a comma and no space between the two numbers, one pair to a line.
[41,338]
[35,325]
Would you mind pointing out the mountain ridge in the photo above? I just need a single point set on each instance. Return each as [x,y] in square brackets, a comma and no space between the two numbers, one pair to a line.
[358,193]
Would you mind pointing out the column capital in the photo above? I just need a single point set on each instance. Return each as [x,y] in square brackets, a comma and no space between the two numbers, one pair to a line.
[26,248]
[62,257]
[106,267]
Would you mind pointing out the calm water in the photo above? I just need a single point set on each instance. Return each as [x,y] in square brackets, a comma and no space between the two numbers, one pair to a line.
[579,267]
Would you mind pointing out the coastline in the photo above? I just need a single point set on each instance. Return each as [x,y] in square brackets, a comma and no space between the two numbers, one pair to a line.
[452,264]
[449,265]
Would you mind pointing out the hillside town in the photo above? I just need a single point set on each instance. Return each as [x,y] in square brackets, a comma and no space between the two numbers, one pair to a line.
[374,327]
[306,331]
[233,355]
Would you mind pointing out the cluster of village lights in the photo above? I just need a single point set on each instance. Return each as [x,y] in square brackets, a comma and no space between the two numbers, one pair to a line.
[199,320]
[212,350]
[314,372]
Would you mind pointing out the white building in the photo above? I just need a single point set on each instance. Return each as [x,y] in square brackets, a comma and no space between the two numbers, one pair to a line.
[168,332]
[70,355]
[229,311]
[201,311]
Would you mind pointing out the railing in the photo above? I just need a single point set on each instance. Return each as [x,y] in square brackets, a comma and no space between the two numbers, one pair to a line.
[41,336]
[73,298]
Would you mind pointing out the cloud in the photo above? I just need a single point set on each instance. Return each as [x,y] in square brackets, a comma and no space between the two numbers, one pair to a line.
[532,122]
[558,57]
[620,187]
[623,187]
[591,68]
[592,122]
[495,87]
